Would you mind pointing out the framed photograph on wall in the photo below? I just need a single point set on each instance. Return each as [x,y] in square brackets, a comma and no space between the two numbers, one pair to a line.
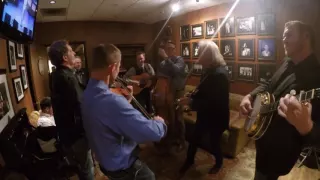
[246,25]
[195,49]
[18,90]
[24,78]
[230,69]
[266,72]
[228,28]
[11,56]
[197,31]
[6,108]
[227,48]
[212,28]
[185,33]
[19,51]
[266,24]
[267,49]
[246,72]
[185,50]
[196,69]
[246,49]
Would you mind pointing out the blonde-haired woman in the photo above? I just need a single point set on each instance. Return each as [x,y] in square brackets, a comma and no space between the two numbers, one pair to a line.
[211,101]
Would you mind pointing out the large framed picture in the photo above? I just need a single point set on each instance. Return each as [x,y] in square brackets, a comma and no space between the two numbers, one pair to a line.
[246,49]
[227,29]
[195,49]
[20,51]
[11,56]
[267,49]
[185,50]
[246,72]
[266,72]
[185,33]
[23,74]
[246,25]
[18,90]
[227,48]
[6,108]
[197,31]
[212,28]
[196,69]
[230,69]
[266,24]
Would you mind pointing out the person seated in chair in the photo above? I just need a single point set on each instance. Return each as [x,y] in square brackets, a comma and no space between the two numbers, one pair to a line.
[46,130]
[46,115]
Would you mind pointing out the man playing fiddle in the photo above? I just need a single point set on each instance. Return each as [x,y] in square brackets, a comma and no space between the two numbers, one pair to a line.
[141,67]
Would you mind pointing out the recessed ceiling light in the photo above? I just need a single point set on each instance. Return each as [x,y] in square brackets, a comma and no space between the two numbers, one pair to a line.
[52,2]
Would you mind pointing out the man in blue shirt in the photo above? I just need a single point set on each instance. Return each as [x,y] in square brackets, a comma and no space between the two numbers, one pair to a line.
[113,127]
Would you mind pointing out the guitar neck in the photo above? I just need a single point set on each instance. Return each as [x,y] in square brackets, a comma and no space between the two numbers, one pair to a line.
[302,97]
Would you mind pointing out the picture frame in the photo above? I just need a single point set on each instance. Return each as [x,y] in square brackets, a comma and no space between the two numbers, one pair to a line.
[11,53]
[227,48]
[230,68]
[246,26]
[266,24]
[266,71]
[185,33]
[24,78]
[246,72]
[6,108]
[185,50]
[197,31]
[18,90]
[197,69]
[19,51]
[228,28]
[246,49]
[188,66]
[212,28]
[267,49]
[195,49]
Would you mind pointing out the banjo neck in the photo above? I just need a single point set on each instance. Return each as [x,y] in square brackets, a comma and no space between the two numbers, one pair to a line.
[302,97]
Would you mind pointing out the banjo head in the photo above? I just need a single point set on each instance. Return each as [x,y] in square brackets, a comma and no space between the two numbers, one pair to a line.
[256,120]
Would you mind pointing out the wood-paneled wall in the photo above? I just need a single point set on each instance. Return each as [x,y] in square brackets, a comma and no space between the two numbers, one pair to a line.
[26,102]
[284,10]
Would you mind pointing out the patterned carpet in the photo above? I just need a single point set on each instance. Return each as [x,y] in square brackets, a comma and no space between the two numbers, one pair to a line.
[239,168]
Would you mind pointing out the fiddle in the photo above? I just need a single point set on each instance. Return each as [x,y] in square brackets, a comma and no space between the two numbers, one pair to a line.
[120,91]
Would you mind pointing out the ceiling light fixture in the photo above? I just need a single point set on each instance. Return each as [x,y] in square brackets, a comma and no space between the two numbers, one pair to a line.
[175,7]
[52,2]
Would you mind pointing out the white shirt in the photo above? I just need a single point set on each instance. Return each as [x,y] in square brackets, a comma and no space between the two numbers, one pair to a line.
[46,120]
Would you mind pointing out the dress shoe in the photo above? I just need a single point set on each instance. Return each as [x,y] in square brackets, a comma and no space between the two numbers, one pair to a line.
[185,167]
[215,169]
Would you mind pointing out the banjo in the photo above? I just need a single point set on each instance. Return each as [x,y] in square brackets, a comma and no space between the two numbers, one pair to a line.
[264,106]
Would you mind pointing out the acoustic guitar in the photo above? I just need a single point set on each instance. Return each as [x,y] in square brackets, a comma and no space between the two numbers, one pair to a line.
[139,82]
[264,105]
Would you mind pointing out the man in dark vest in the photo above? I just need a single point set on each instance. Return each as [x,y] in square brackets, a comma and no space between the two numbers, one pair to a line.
[144,97]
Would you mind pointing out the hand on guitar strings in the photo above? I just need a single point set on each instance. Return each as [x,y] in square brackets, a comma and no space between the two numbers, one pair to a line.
[245,105]
[296,113]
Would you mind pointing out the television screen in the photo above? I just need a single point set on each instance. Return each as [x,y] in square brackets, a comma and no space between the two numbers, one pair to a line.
[19,15]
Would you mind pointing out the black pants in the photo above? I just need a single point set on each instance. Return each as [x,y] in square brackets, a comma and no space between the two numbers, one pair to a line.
[144,98]
[215,134]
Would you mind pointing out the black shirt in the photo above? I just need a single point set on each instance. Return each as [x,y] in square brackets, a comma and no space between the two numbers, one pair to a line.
[280,147]
[66,95]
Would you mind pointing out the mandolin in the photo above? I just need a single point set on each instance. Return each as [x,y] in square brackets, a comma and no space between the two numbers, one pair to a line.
[263,107]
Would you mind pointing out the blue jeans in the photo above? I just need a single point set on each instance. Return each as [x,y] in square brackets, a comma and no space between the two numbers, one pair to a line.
[260,176]
[82,154]
[138,171]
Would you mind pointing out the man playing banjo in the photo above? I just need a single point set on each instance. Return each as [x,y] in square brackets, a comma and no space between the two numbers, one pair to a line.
[295,125]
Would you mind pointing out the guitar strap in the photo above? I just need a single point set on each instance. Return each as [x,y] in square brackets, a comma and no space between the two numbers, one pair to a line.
[288,82]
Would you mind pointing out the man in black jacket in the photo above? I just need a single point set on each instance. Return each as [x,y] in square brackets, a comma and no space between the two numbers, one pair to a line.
[292,128]
[80,73]
[66,94]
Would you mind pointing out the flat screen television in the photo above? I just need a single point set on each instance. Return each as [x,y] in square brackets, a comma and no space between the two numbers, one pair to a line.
[18,19]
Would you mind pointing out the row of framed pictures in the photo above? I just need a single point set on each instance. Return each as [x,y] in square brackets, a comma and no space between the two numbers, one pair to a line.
[246,49]
[244,72]
[244,26]
[14,51]
[20,83]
